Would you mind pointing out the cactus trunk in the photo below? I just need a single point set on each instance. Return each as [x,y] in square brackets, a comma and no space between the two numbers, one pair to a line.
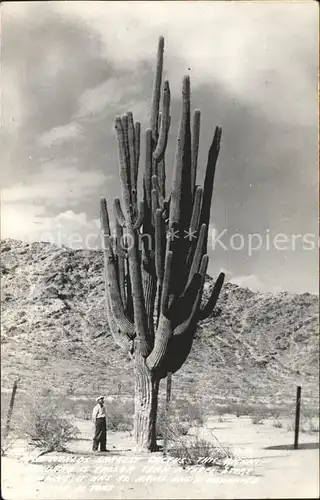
[146,405]
[154,289]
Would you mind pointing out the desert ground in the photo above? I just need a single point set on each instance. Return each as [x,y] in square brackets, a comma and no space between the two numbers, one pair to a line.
[264,465]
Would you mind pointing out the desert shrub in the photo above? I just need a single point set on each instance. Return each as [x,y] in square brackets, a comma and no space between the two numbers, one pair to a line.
[310,425]
[170,427]
[233,409]
[120,415]
[6,443]
[71,388]
[194,450]
[277,423]
[190,449]
[221,419]
[83,412]
[256,420]
[258,413]
[79,408]
[309,419]
[182,416]
[8,435]
[258,417]
[45,424]
[7,439]
[191,413]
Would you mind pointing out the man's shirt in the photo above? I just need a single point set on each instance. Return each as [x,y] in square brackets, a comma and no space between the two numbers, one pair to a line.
[98,412]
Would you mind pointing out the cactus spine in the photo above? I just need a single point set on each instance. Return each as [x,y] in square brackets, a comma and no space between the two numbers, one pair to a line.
[154,282]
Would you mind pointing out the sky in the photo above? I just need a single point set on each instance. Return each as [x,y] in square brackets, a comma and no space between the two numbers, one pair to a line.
[69,68]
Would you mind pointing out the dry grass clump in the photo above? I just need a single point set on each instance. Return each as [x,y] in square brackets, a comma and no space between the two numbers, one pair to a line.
[45,424]
[183,415]
[309,420]
[120,415]
[198,451]
[7,439]
[190,450]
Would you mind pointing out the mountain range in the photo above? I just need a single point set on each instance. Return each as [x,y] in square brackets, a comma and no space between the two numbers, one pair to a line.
[255,346]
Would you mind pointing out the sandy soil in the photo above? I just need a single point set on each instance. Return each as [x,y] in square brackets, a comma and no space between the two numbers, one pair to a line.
[265,465]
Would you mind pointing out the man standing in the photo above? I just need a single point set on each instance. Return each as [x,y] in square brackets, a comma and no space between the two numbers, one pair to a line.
[100,422]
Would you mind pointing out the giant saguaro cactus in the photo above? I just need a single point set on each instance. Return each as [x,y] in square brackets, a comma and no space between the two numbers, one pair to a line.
[156,261]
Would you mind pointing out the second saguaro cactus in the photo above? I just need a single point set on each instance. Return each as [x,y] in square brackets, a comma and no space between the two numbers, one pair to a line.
[156,262]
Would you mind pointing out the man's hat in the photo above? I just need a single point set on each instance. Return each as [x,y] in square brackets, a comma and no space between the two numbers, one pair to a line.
[100,397]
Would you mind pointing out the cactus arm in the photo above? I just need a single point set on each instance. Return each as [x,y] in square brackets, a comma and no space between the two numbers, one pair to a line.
[132,161]
[209,181]
[184,327]
[123,322]
[148,167]
[120,338]
[122,135]
[137,134]
[150,291]
[166,321]
[159,122]
[194,223]
[120,262]
[139,308]
[157,91]
[180,307]
[166,283]
[207,310]
[129,304]
[144,335]
[154,204]
[162,177]
[140,219]
[195,148]
[155,185]
[162,337]
[144,339]
[164,124]
[178,181]
[195,217]
[159,245]
[186,195]
[198,254]
[166,209]
[119,215]
[125,131]
[164,331]
[162,168]
[149,276]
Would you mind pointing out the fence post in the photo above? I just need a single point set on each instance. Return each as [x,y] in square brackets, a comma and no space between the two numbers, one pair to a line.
[167,408]
[10,410]
[297,421]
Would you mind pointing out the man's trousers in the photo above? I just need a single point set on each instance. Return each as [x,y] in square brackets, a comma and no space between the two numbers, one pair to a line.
[100,436]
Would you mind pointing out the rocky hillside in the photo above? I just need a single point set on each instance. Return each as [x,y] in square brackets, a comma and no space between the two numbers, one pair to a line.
[55,333]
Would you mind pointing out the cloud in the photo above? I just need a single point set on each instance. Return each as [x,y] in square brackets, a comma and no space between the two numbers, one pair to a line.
[25,208]
[28,222]
[239,46]
[58,135]
[57,185]
[108,94]
[254,283]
